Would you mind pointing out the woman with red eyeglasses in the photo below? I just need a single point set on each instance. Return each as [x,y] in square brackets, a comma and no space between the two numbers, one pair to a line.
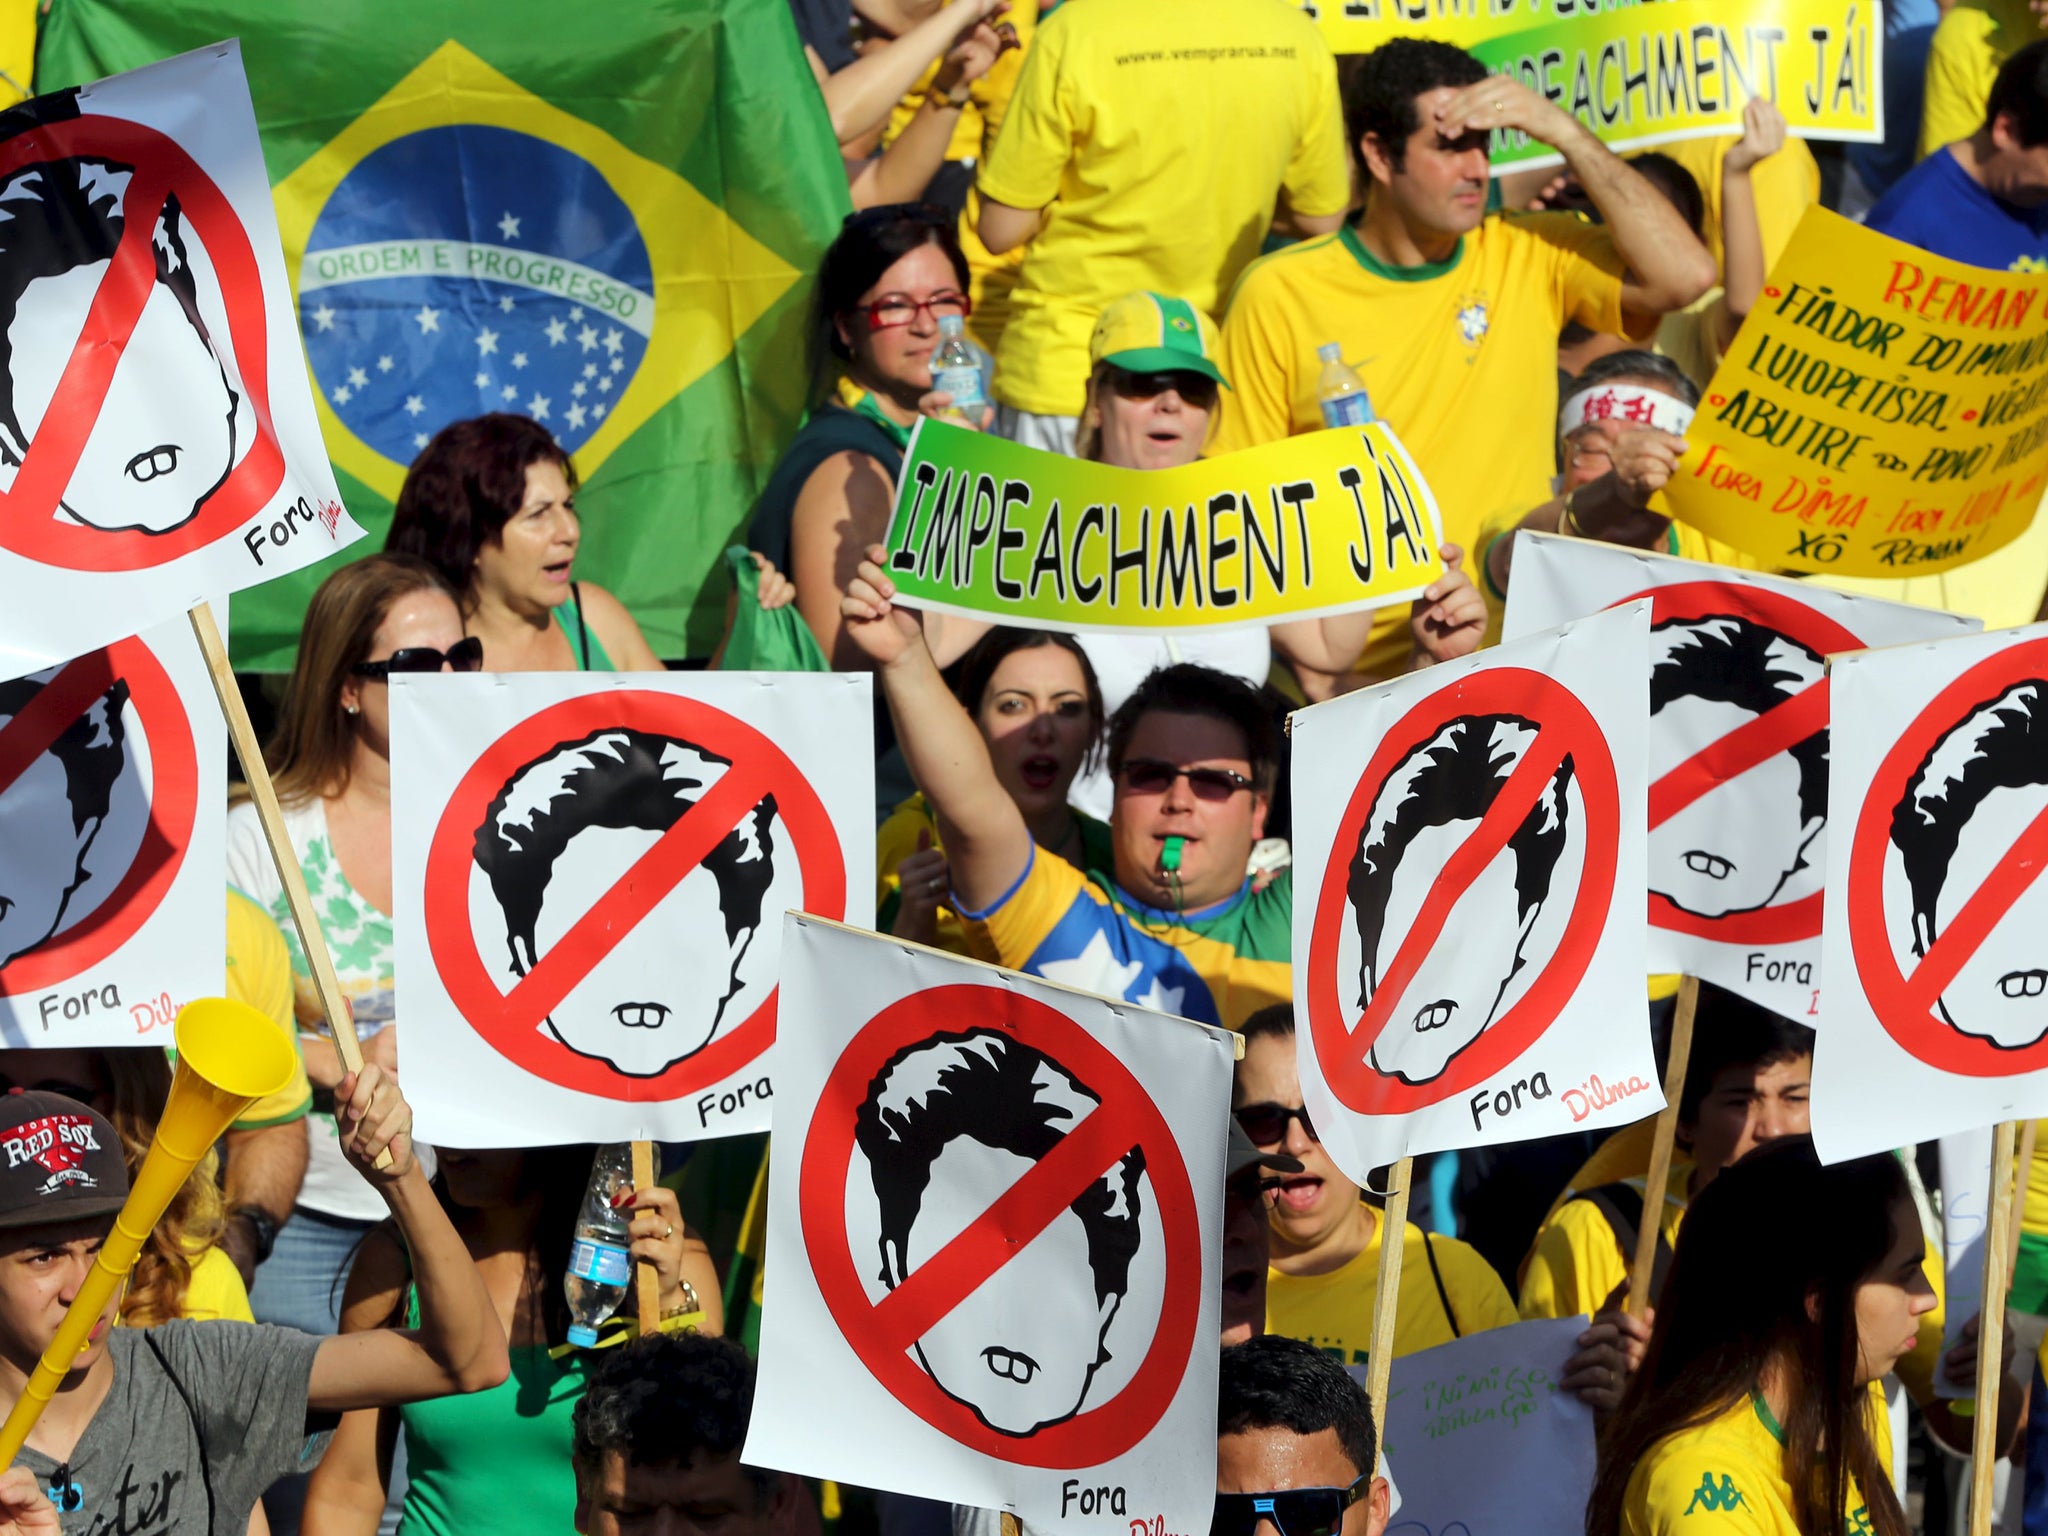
[330,757]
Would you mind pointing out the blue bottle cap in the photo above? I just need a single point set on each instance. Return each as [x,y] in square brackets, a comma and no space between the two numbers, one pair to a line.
[582,1337]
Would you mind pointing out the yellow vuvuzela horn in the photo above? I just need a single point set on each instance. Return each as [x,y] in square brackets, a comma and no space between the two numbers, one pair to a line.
[229,1056]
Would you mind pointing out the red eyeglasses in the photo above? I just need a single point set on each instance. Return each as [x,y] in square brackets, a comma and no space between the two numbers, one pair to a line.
[893,310]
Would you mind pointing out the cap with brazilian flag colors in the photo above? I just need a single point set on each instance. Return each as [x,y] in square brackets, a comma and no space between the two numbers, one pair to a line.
[615,238]
[1151,333]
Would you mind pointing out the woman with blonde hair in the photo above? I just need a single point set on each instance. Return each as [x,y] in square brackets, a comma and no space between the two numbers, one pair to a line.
[330,758]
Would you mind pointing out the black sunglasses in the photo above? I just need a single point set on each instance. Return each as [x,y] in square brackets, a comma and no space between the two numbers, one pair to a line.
[465,655]
[1198,389]
[1293,1511]
[1150,776]
[1266,1124]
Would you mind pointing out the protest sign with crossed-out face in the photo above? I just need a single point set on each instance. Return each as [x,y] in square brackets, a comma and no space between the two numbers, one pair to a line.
[157,434]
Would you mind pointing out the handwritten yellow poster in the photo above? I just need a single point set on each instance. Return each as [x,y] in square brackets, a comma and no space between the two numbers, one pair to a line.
[1882,412]
[1652,73]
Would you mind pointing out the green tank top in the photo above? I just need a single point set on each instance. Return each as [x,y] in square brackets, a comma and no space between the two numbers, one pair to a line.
[496,1461]
[590,656]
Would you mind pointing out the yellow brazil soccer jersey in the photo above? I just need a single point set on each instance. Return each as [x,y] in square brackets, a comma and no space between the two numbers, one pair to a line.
[1218,964]
[1157,135]
[1972,39]
[260,974]
[1578,1262]
[1460,358]
[1727,1478]
[1334,1311]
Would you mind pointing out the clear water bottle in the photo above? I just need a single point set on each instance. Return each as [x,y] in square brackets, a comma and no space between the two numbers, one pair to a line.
[600,1266]
[1341,391]
[956,369]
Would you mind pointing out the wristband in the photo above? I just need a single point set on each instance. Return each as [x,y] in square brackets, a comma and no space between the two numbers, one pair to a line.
[944,102]
[1567,524]
[263,1224]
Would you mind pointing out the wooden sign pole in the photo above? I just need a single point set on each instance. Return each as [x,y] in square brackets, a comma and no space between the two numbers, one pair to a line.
[1991,1330]
[646,1279]
[1660,1149]
[1386,1305]
[2019,1195]
[256,773]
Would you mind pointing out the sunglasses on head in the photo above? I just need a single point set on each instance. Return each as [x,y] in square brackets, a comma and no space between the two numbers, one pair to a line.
[1293,1511]
[1197,389]
[1266,1124]
[465,655]
[1150,776]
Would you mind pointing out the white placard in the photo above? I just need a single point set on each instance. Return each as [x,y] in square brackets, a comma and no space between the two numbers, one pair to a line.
[1478,1425]
[589,871]
[1965,1214]
[1738,747]
[112,842]
[177,455]
[995,1214]
[1468,916]
[1936,937]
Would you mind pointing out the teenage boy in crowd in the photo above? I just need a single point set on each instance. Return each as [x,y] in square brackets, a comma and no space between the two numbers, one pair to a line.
[181,1427]
[1452,314]
[1326,1239]
[1296,1450]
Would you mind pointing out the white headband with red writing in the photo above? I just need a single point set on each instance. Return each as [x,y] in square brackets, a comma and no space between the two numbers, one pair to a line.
[1626,404]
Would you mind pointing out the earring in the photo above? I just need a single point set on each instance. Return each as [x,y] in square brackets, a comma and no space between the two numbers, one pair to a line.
[352,709]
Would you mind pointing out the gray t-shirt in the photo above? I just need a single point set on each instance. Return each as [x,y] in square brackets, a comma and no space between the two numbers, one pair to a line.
[146,1462]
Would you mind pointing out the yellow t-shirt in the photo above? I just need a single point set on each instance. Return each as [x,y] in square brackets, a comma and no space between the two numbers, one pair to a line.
[1460,359]
[1334,1311]
[216,1291]
[1690,337]
[1786,185]
[1971,41]
[1578,1262]
[260,974]
[1116,101]
[1727,1478]
[987,98]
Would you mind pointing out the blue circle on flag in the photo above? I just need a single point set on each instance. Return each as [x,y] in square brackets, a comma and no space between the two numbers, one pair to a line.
[465,269]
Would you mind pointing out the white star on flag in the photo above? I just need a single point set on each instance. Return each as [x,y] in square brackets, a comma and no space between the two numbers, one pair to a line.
[386,363]
[414,405]
[508,391]
[613,340]
[419,439]
[505,305]
[518,359]
[1162,998]
[590,370]
[597,411]
[576,417]
[429,319]
[576,315]
[358,379]
[486,342]
[509,226]
[618,363]
[537,407]
[324,318]
[586,338]
[1095,969]
[483,381]
[343,395]
[578,389]
[557,332]
[604,384]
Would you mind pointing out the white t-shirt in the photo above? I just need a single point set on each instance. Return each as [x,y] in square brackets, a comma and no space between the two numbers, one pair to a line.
[359,940]
[1122,662]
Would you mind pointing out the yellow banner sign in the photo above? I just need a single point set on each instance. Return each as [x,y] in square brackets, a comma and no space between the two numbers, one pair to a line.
[1883,412]
[1640,74]
[1310,525]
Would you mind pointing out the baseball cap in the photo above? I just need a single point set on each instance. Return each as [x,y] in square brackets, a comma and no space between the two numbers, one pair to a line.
[59,1161]
[1151,333]
[1244,1153]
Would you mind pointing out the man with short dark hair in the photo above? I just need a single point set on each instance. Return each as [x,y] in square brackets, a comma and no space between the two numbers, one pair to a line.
[1984,199]
[1451,315]
[658,1437]
[1296,1449]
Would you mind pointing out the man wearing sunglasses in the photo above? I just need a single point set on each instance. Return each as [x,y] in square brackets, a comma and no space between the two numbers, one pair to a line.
[1296,1449]
[1175,925]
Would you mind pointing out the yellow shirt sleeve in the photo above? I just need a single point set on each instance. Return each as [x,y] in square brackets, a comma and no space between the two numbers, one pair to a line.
[1576,1264]
[216,1292]
[1031,152]
[1585,268]
[1961,66]
[1255,354]
[1318,180]
[260,974]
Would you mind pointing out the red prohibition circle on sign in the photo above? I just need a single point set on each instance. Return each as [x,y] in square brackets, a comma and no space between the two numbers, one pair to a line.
[1890,992]
[757,762]
[1791,921]
[1100,1433]
[173,808]
[28,521]
[1341,1052]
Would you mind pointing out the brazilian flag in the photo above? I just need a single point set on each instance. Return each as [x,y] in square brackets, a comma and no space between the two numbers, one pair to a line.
[606,219]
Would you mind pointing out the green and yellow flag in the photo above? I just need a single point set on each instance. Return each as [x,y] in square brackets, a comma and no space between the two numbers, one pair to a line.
[605,221]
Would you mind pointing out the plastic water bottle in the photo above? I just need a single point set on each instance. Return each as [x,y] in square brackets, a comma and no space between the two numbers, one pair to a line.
[956,369]
[1341,390]
[600,1267]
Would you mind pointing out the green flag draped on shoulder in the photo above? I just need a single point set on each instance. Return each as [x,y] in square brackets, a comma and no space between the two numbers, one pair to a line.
[606,222]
